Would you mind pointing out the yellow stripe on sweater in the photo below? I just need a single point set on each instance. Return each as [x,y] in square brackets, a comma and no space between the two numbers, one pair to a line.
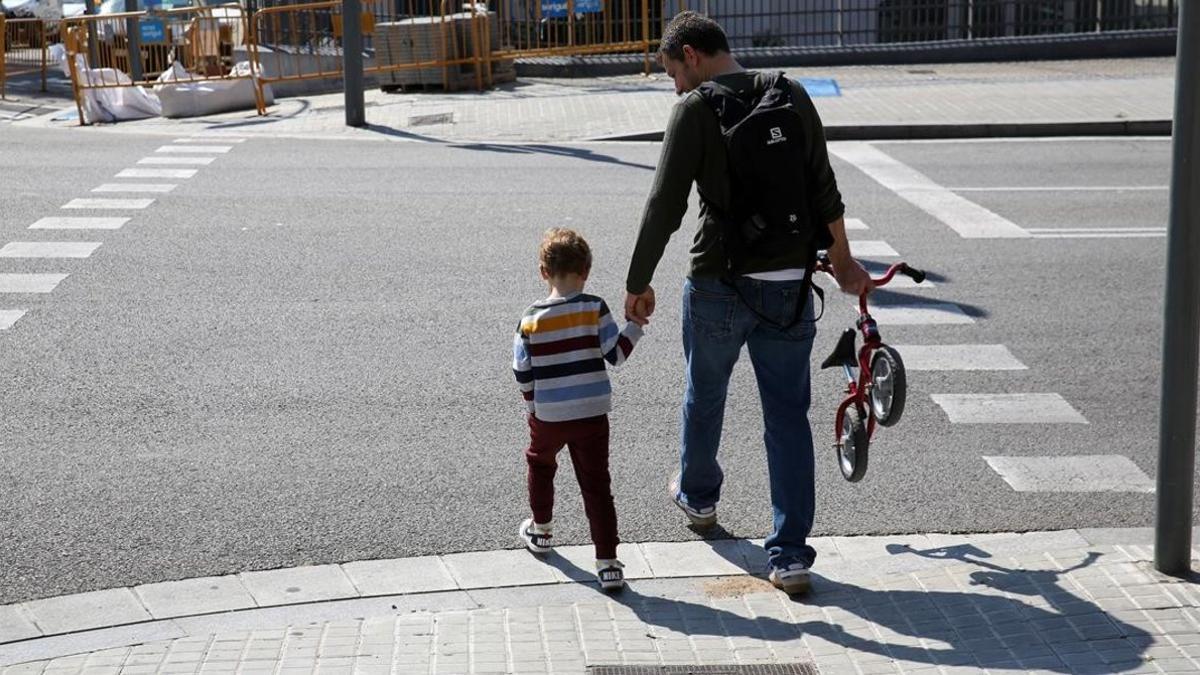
[535,324]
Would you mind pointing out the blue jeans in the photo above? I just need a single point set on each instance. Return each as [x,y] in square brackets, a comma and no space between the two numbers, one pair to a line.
[716,323]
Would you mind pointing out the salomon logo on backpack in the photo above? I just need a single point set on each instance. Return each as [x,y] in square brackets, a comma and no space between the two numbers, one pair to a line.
[770,209]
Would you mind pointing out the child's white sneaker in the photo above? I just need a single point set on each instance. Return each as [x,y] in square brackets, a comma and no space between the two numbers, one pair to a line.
[611,574]
[536,537]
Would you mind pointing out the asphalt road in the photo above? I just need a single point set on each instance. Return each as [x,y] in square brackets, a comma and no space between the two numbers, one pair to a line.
[301,354]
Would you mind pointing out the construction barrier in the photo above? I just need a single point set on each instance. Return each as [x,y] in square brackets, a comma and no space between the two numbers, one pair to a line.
[407,43]
[25,44]
[531,28]
[165,48]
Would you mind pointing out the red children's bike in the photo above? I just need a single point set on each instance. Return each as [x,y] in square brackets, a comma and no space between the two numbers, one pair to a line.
[875,380]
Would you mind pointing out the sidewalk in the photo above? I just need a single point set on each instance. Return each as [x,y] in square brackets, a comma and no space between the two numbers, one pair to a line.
[1077,601]
[901,100]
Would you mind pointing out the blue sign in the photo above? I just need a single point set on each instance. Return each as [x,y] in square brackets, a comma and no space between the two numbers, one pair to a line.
[152,30]
[817,86]
[557,9]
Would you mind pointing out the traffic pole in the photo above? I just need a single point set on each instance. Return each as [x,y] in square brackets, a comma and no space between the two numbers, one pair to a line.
[352,62]
[1181,324]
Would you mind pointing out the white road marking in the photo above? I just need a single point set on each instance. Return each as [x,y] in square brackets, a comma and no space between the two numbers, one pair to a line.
[135,187]
[202,161]
[958,357]
[9,316]
[29,283]
[1100,235]
[968,219]
[108,203]
[210,139]
[1064,188]
[872,249]
[216,149]
[1095,230]
[157,173]
[1077,473]
[917,314]
[73,223]
[1008,409]
[856,224]
[49,249]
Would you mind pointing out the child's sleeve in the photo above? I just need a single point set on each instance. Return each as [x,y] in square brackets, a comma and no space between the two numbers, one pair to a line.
[616,345]
[523,366]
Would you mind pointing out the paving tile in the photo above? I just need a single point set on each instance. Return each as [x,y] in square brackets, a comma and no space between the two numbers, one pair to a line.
[194,596]
[399,576]
[83,611]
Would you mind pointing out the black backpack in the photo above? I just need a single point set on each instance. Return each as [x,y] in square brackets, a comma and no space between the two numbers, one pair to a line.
[770,206]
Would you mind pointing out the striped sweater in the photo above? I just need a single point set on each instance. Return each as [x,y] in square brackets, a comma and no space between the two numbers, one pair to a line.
[559,353]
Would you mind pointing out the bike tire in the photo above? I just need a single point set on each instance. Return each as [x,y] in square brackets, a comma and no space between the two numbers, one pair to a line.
[853,453]
[889,386]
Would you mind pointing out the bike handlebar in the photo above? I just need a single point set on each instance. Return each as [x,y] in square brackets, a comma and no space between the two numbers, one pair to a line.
[907,270]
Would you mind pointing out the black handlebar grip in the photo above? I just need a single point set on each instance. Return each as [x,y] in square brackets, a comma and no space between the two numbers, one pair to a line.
[913,273]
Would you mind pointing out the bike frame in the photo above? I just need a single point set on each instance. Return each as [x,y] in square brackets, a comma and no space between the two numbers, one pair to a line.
[858,387]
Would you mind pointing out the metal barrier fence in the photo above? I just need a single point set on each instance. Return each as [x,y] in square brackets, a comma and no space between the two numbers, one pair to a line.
[112,51]
[573,27]
[802,23]
[24,44]
[406,42]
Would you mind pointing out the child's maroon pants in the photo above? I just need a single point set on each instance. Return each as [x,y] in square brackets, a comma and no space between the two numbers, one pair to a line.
[587,441]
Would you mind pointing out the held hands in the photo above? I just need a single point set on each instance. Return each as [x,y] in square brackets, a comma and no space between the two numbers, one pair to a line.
[639,307]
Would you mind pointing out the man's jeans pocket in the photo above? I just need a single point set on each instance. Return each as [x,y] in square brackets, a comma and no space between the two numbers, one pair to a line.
[710,310]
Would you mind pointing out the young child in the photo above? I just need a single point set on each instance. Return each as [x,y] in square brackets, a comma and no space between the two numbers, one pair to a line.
[558,357]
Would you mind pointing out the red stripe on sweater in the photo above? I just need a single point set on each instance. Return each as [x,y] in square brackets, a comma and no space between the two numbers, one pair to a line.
[562,346]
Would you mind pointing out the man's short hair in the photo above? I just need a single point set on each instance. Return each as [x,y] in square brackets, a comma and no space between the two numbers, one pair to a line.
[563,251]
[690,28]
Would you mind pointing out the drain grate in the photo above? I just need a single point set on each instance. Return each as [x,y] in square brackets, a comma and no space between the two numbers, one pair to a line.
[761,669]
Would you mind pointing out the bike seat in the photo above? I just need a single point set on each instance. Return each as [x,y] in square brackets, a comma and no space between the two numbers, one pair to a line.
[843,352]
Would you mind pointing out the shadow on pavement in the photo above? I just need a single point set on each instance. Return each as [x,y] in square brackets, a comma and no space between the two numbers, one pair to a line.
[984,629]
[554,150]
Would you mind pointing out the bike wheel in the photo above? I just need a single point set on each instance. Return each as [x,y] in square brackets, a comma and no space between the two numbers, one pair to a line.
[852,455]
[888,386]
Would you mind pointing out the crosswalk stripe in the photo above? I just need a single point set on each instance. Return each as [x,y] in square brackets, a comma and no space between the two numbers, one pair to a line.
[1074,473]
[29,283]
[217,149]
[968,219]
[108,203]
[958,357]
[49,249]
[210,139]
[856,224]
[1100,235]
[157,173]
[1008,409]
[1094,230]
[916,314]
[10,316]
[74,223]
[200,161]
[872,249]
[135,187]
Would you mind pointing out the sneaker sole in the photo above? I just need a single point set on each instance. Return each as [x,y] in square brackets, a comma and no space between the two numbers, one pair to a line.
[796,587]
[697,521]
[613,586]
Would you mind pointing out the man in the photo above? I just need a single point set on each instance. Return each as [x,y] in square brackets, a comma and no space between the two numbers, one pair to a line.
[758,306]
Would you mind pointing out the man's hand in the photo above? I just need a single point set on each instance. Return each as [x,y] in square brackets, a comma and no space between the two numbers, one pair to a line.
[639,307]
[851,277]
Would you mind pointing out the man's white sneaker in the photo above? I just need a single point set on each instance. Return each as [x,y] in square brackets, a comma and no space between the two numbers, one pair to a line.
[792,579]
[610,574]
[705,517]
[535,537]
